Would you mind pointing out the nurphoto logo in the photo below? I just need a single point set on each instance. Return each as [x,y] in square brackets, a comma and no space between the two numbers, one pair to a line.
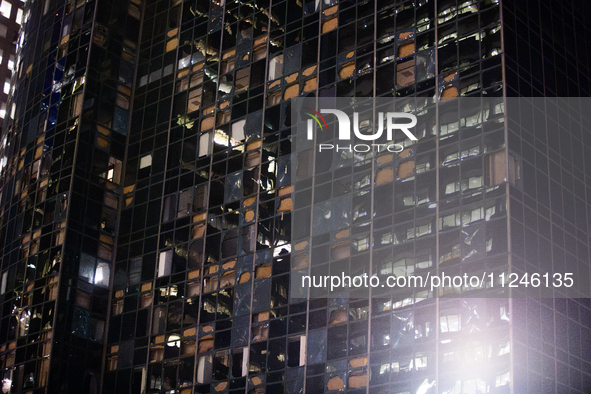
[394,121]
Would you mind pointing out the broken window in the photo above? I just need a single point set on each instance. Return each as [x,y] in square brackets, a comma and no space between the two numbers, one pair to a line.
[450,323]
[238,130]
[204,144]
[4,282]
[113,172]
[117,308]
[221,365]
[449,221]
[228,279]
[239,362]
[76,107]
[205,343]
[45,165]
[92,272]
[185,203]
[194,99]
[259,53]
[210,284]
[495,169]
[405,73]
[227,66]
[242,79]
[23,322]
[169,208]
[405,169]
[196,250]
[452,187]
[233,187]
[182,85]
[159,320]
[274,97]
[449,247]
[276,67]
[296,351]
[193,289]
[83,299]
[258,357]
[110,200]
[260,332]
[473,182]
[208,123]
[146,161]
[406,49]
[204,369]
[473,215]
[5,9]
[102,274]
[134,11]
[200,198]
[122,101]
[135,270]
[165,263]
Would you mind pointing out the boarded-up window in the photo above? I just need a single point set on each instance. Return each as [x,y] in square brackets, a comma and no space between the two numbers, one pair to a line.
[495,169]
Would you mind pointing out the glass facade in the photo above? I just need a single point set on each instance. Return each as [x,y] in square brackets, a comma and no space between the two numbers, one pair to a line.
[549,215]
[150,189]
[11,17]
[64,147]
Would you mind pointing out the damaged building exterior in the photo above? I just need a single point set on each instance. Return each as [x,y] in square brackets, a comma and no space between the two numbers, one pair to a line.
[11,16]
[148,170]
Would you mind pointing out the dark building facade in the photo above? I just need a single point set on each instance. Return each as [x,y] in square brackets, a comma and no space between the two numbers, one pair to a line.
[11,17]
[64,148]
[146,208]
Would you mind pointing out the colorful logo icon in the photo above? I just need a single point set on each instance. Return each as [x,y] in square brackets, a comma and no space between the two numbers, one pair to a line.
[317,117]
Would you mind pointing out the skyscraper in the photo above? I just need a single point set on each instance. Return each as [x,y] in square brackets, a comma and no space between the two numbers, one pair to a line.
[151,182]
[11,17]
